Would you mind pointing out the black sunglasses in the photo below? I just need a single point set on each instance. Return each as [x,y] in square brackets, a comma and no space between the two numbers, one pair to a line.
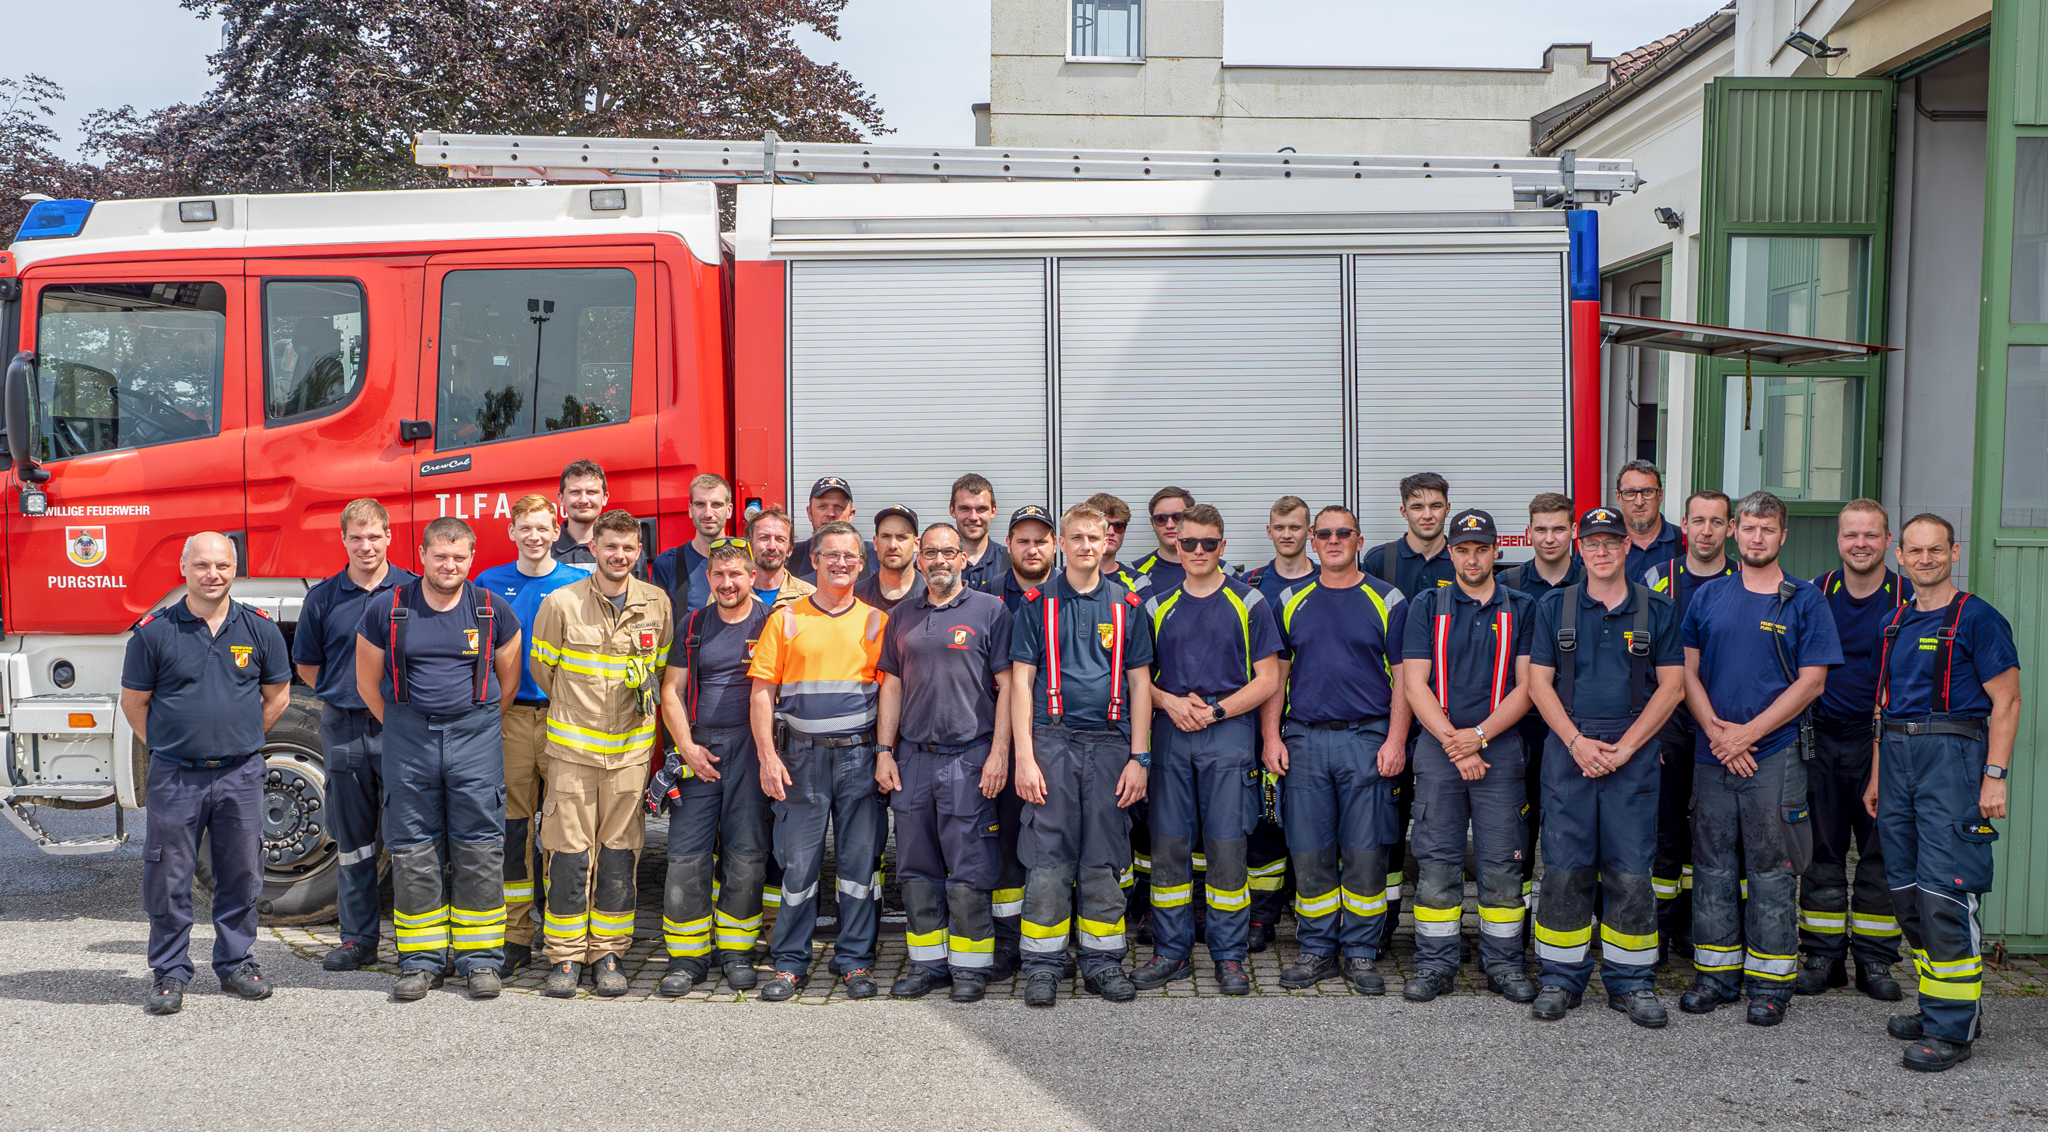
[1162,520]
[1205,545]
[1118,527]
[1327,533]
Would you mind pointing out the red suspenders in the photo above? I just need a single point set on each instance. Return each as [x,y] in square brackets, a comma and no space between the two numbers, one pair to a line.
[1503,652]
[1945,663]
[1054,705]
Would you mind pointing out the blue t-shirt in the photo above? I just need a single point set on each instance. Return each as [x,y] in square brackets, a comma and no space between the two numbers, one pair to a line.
[721,697]
[1206,646]
[326,635]
[1601,688]
[1342,645]
[1412,572]
[441,649]
[1669,544]
[1473,645]
[663,575]
[947,657]
[526,593]
[1086,642]
[1859,623]
[206,695]
[1738,634]
[1983,651]
[1267,578]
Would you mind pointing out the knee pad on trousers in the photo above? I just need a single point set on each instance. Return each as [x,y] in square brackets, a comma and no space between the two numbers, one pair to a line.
[613,891]
[416,877]
[1364,870]
[1172,860]
[518,832]
[745,877]
[969,912]
[1048,895]
[920,903]
[569,882]
[1316,873]
[479,874]
[1499,885]
[1567,898]
[1631,902]
[687,887]
[1442,885]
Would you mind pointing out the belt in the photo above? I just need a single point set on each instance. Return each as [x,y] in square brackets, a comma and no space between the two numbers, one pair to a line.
[210,764]
[1342,724]
[537,705]
[348,711]
[1967,728]
[948,748]
[861,739]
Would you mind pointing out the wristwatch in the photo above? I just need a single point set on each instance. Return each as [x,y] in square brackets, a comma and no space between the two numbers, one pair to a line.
[889,750]
[1216,706]
[1992,771]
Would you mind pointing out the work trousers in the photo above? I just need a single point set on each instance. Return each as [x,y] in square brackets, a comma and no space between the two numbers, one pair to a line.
[1937,853]
[1078,838]
[947,859]
[1008,898]
[1834,918]
[1204,784]
[224,804]
[526,772]
[592,828]
[1535,740]
[1265,854]
[1671,874]
[1598,834]
[716,829]
[1401,792]
[1339,813]
[352,743]
[832,786]
[444,807]
[1446,806]
[1759,822]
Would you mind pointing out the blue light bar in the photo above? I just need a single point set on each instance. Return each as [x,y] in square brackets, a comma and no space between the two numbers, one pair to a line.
[50,219]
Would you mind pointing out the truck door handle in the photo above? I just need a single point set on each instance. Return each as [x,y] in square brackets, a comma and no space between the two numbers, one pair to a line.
[409,431]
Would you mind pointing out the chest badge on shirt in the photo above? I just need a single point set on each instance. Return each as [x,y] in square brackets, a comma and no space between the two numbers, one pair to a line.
[1106,633]
[961,636]
[646,637]
[470,639]
[242,653]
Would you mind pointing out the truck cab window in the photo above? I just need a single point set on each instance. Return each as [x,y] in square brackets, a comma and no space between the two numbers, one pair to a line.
[127,365]
[528,352]
[312,346]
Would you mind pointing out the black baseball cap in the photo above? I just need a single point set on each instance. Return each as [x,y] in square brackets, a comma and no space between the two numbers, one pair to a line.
[895,509]
[831,483]
[1602,521]
[1472,526]
[1032,512]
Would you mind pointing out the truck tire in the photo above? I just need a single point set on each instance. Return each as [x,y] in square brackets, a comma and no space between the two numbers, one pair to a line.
[301,871]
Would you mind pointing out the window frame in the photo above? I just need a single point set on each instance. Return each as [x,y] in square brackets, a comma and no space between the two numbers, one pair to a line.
[222,368]
[1073,18]
[263,283]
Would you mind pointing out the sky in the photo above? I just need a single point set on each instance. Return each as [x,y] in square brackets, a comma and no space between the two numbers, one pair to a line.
[926,61]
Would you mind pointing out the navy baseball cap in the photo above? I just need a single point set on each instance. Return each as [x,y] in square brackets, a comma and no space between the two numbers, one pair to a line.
[1032,513]
[831,483]
[1472,526]
[1602,521]
[895,509]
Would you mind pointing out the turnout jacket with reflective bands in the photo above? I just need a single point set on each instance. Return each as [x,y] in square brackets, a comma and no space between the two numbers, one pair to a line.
[600,667]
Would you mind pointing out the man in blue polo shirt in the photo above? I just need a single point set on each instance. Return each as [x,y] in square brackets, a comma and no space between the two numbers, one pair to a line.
[1949,691]
[202,681]
[946,691]
[351,740]
[1465,667]
[1757,652]
[1336,734]
[1605,691]
[1835,921]
[1553,563]
[1029,551]
[1287,523]
[1639,495]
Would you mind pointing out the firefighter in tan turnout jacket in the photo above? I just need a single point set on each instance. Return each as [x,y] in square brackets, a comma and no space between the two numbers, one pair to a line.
[599,647]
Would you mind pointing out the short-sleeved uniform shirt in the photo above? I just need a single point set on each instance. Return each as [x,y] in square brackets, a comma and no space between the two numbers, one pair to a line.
[525,593]
[1535,585]
[1983,651]
[1006,588]
[1852,689]
[1480,657]
[326,635]
[1206,646]
[1341,645]
[1738,634]
[1678,580]
[869,589]
[1669,544]
[825,677]
[1601,687]
[1267,578]
[441,648]
[947,657]
[663,574]
[994,563]
[1412,572]
[206,694]
[1085,644]
[722,694]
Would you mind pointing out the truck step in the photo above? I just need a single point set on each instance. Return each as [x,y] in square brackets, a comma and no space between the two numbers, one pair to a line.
[65,846]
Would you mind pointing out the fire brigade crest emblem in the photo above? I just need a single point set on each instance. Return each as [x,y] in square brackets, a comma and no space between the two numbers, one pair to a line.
[1106,633]
[960,636]
[86,546]
[470,638]
[647,640]
[241,654]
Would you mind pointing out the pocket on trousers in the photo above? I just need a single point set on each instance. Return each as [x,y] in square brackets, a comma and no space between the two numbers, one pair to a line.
[1792,795]
[1973,855]
[154,853]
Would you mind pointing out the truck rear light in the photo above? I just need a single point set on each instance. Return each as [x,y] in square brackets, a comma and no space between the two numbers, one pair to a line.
[196,211]
[83,719]
[607,200]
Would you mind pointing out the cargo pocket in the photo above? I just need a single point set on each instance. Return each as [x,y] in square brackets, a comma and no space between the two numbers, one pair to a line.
[1973,855]
[1792,793]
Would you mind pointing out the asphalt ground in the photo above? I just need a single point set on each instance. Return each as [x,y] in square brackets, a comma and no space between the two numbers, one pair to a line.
[332,1050]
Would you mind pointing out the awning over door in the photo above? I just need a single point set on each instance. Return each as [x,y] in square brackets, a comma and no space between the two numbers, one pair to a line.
[1727,342]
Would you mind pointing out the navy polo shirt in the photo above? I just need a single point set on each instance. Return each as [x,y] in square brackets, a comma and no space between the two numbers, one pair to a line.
[1412,572]
[1735,631]
[1600,673]
[1472,644]
[1533,583]
[441,649]
[994,563]
[326,635]
[1852,689]
[1341,645]
[525,593]
[724,653]
[869,589]
[1206,646]
[664,575]
[1677,580]
[206,695]
[1006,587]
[1983,651]
[1267,578]
[1086,637]
[947,657]
[1669,544]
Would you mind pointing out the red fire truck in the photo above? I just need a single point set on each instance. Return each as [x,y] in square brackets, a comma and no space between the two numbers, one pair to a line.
[1245,326]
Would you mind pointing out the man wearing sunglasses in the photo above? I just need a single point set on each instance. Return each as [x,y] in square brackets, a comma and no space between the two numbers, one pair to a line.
[1336,734]
[1029,555]
[973,507]
[1213,640]
[710,511]
[896,549]
[1639,493]
[1118,514]
[1163,566]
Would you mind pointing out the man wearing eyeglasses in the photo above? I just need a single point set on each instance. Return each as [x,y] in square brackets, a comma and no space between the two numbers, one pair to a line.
[896,549]
[1639,490]
[1213,642]
[946,691]
[1163,567]
[1029,554]
[710,511]
[973,507]
[1118,514]
[1336,734]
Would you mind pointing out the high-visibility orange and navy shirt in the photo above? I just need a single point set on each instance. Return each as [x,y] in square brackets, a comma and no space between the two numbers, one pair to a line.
[1081,654]
[823,666]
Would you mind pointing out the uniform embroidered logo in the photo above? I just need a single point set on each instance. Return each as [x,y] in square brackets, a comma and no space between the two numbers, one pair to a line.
[962,634]
[242,654]
[1770,627]
[85,546]
[1929,644]
[1471,522]
[469,641]
[647,639]
[1106,633]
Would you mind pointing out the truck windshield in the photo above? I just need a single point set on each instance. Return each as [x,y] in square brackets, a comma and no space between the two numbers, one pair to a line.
[125,365]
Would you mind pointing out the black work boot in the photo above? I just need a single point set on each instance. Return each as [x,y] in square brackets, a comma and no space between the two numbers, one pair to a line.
[916,982]
[1767,1009]
[1515,986]
[349,956]
[1553,1002]
[1042,988]
[1706,997]
[1232,978]
[1932,1055]
[1110,983]
[1643,1007]
[1906,1027]
[1819,974]
[1308,969]
[563,979]
[680,979]
[967,988]
[1159,971]
[740,974]
[166,996]
[484,982]
[1009,960]
[610,982]
[1363,977]
[1259,938]
[414,985]
[246,981]
[1877,982]
[859,983]
[783,985]
[517,955]
[1429,983]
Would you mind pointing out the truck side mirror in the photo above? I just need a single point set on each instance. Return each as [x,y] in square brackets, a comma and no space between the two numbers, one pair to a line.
[21,439]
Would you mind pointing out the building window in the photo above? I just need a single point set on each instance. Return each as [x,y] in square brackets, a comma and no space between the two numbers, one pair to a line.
[2030,232]
[1107,29]
[1796,437]
[128,365]
[313,346]
[1797,285]
[2024,499]
[528,352]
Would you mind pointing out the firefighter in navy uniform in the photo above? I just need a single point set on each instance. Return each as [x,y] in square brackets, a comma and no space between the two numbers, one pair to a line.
[1028,553]
[1949,697]
[437,665]
[1553,564]
[202,681]
[1266,853]
[1652,539]
[1119,516]
[1591,675]
[1465,668]
[973,508]
[1836,921]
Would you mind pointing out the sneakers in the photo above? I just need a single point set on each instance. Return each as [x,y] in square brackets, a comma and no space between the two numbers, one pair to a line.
[860,983]
[1158,971]
[1767,1010]
[1308,969]
[968,988]
[1932,1055]
[680,979]
[1877,982]
[916,982]
[1363,977]
[783,985]
[166,996]
[484,982]
[1554,1002]
[1706,997]
[348,957]
[1041,988]
[1819,974]
[1232,978]
[1110,984]
[414,985]
[740,975]
[246,981]
[1259,938]
[610,982]
[1643,1007]
[1515,986]
[563,979]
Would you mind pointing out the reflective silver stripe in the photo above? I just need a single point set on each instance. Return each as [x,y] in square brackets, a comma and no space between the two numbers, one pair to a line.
[860,891]
[927,951]
[1051,945]
[1552,953]
[810,687]
[358,856]
[971,958]
[1628,956]
[1501,929]
[798,896]
[1007,907]
[1103,942]
[831,725]
[1436,927]
[1716,958]
[1763,966]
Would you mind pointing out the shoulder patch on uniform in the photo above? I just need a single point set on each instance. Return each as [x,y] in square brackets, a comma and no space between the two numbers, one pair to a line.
[1131,598]
[146,619]
[263,613]
[1031,594]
